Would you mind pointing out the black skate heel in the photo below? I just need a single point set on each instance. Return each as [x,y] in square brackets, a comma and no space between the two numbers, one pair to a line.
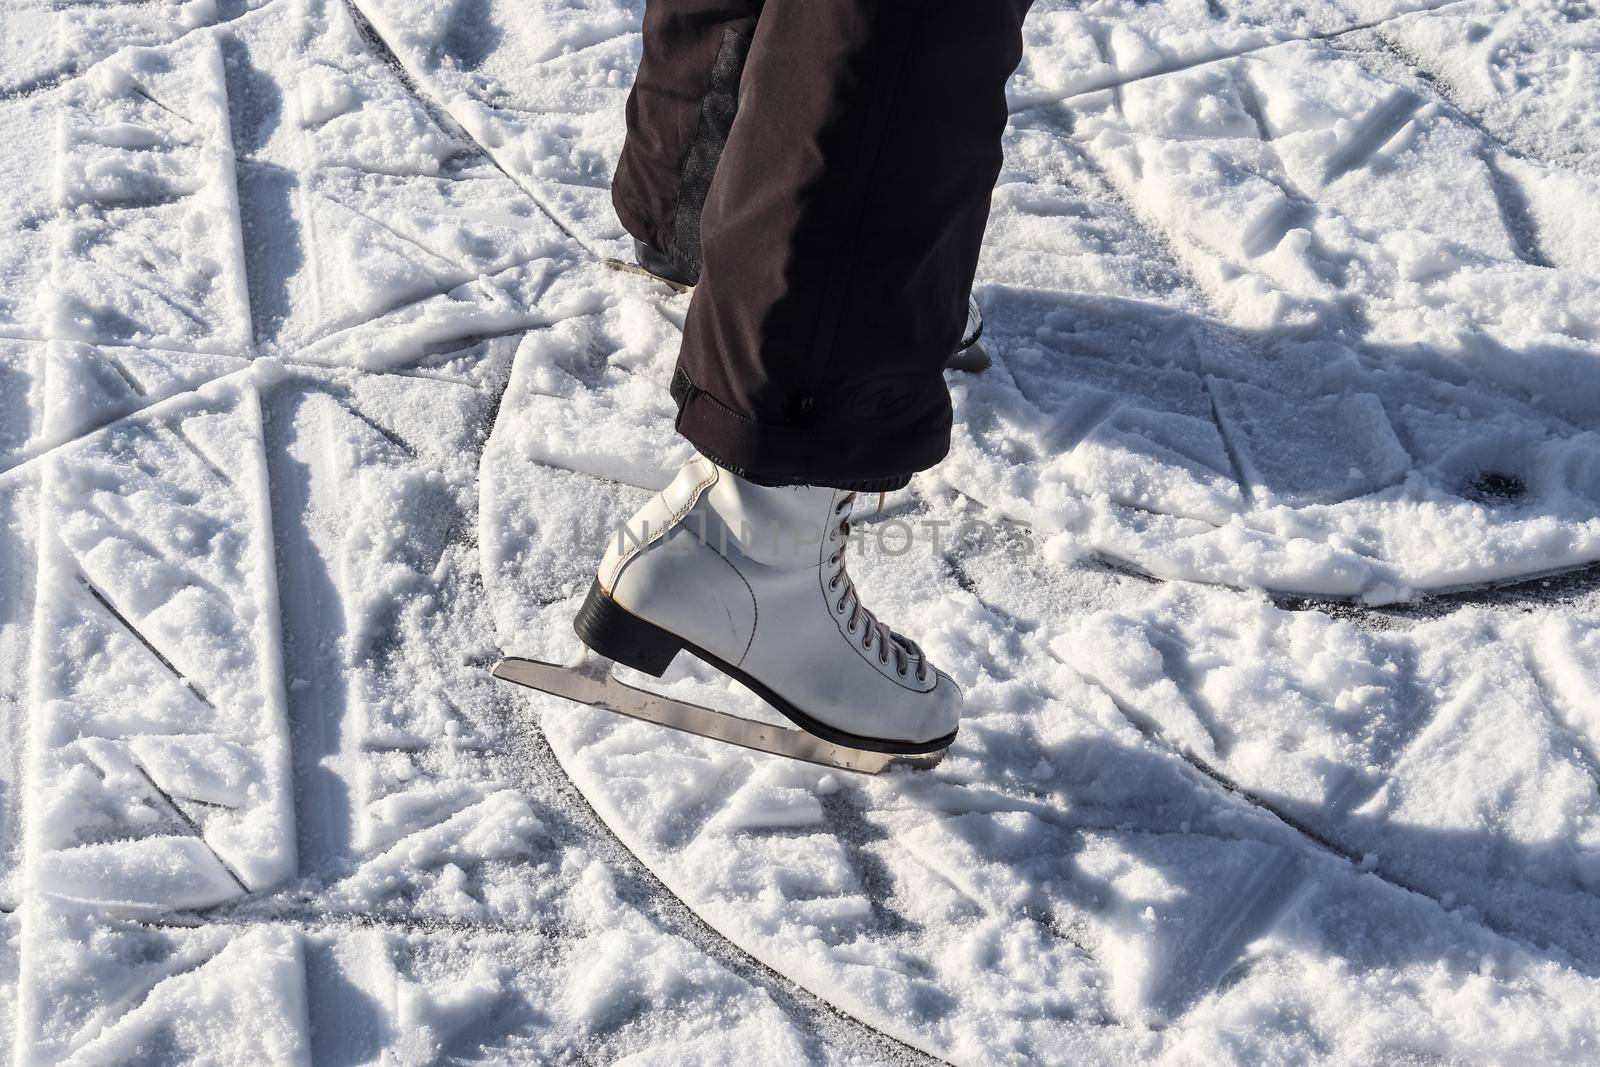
[616,633]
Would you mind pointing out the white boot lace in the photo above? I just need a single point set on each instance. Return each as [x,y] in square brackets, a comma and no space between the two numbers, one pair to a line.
[847,603]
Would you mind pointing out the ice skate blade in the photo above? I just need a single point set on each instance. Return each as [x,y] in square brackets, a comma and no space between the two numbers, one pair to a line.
[973,359]
[633,268]
[590,682]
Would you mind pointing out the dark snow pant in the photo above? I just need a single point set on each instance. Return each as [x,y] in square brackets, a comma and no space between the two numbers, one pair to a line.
[833,222]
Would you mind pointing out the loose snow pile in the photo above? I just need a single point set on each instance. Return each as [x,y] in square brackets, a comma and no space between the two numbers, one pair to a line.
[314,398]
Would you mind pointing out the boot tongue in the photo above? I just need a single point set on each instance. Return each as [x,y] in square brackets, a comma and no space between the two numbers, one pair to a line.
[781,526]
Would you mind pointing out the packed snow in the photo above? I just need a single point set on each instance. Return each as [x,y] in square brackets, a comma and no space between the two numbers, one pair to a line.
[1267,555]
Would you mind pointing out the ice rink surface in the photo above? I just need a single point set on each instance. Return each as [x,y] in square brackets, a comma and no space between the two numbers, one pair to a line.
[1267,554]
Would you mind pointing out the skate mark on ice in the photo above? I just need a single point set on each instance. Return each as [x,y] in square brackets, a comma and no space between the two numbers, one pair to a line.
[1569,587]
[10,333]
[1319,842]
[556,465]
[70,71]
[1371,132]
[142,543]
[381,430]
[194,827]
[121,371]
[1515,211]
[193,314]
[1441,85]
[334,335]
[288,907]
[134,632]
[1296,210]
[8,474]
[358,1035]
[1230,446]
[453,345]
[134,999]
[1554,706]
[441,114]
[447,175]
[388,57]
[142,92]
[1028,103]
[528,761]
[1216,779]
[393,372]
[177,430]
[1177,668]
[450,266]
[41,83]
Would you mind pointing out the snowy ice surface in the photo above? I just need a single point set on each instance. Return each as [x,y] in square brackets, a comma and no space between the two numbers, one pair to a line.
[1266,555]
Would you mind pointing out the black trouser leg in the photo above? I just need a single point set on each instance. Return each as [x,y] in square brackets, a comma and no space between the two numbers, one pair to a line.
[679,114]
[840,233]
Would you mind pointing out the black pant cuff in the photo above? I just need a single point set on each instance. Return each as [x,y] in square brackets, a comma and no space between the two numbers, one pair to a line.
[772,454]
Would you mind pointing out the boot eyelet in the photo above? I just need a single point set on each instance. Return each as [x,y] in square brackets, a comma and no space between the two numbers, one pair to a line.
[839,607]
[852,626]
[883,660]
[866,639]
[833,583]
[902,672]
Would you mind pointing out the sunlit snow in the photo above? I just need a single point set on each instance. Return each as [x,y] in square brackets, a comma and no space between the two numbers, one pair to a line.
[1267,555]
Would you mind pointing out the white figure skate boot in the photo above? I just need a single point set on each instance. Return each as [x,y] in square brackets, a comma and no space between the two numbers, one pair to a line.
[752,580]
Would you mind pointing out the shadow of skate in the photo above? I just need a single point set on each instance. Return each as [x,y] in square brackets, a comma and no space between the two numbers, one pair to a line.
[1179,875]
[1179,429]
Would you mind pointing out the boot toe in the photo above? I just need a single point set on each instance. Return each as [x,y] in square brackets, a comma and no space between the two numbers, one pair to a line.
[944,701]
